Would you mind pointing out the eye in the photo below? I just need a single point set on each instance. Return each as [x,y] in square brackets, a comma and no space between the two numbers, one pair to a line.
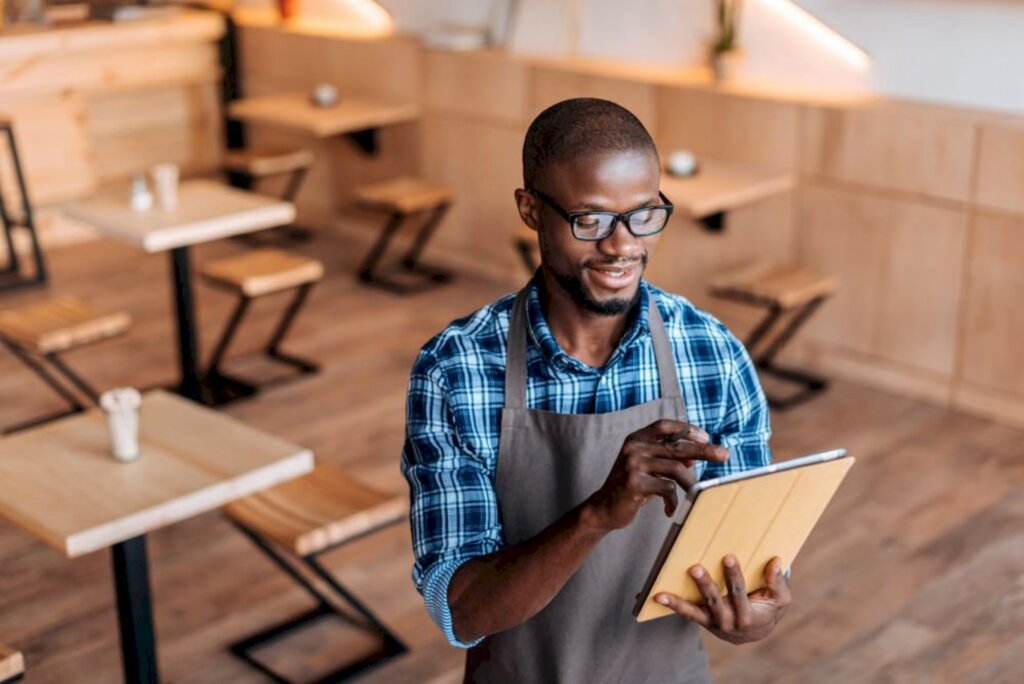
[588,221]
[642,216]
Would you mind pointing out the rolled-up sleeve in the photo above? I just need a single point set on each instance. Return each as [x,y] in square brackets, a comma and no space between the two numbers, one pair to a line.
[454,509]
[745,428]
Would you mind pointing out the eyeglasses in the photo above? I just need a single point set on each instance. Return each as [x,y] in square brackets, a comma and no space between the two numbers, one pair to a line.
[597,225]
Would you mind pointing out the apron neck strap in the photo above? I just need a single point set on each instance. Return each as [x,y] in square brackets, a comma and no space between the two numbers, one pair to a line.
[515,357]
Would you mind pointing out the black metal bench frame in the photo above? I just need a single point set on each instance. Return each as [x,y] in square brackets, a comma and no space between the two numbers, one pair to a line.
[223,388]
[326,606]
[427,276]
[11,276]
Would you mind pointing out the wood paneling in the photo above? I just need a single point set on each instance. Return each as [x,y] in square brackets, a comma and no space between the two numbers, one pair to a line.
[1001,167]
[483,164]
[54,147]
[898,264]
[486,85]
[911,148]
[994,315]
[728,127]
[551,85]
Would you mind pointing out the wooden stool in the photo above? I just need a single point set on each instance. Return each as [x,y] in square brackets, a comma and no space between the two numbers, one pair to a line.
[12,665]
[251,275]
[244,168]
[38,333]
[404,198]
[780,289]
[11,275]
[525,243]
[296,522]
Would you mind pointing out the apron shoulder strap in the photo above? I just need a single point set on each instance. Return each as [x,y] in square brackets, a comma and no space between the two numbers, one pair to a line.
[515,355]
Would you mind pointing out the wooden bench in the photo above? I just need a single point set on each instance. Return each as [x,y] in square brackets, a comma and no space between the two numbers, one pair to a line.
[245,168]
[251,275]
[783,290]
[38,333]
[12,665]
[293,524]
[403,199]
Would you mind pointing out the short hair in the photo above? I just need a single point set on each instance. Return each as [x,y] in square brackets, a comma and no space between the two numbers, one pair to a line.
[577,127]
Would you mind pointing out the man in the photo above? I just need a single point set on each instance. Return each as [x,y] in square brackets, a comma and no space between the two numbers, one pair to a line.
[541,427]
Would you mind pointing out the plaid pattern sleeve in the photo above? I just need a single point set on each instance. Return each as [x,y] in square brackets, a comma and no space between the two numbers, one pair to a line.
[456,393]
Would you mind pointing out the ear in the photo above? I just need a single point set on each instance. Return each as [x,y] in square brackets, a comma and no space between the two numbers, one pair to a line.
[529,209]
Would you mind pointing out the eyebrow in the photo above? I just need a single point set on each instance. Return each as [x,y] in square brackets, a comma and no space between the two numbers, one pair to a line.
[597,207]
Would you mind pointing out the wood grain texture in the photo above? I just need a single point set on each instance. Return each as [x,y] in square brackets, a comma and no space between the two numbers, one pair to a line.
[486,85]
[721,186]
[898,265]
[1000,183]
[727,127]
[206,211]
[404,195]
[263,271]
[317,511]
[74,496]
[58,324]
[910,575]
[548,85]
[12,663]
[907,147]
[296,111]
[993,320]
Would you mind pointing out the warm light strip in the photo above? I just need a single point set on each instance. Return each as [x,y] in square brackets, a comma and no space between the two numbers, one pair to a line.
[356,19]
[820,32]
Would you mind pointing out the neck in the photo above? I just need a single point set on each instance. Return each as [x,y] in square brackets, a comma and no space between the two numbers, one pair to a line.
[587,336]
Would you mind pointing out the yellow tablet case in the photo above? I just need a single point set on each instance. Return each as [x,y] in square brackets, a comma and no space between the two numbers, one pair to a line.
[754,519]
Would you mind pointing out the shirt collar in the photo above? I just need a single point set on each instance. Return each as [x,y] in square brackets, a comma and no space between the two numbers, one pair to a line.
[542,337]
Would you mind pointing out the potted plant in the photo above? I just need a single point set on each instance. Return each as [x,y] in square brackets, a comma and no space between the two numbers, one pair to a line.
[725,53]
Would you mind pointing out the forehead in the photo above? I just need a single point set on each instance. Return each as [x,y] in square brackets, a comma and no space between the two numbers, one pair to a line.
[605,175]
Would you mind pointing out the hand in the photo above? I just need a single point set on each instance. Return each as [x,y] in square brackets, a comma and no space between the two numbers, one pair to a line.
[652,461]
[740,617]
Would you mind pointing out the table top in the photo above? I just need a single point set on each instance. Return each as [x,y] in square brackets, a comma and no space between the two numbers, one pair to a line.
[206,211]
[296,110]
[721,186]
[60,483]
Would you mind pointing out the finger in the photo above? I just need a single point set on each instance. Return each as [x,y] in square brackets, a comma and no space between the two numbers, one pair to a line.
[665,428]
[691,451]
[776,581]
[644,484]
[737,592]
[698,614]
[669,468]
[721,613]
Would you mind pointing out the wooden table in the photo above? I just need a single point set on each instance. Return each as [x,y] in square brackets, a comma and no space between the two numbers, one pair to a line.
[206,211]
[720,186]
[62,485]
[356,116]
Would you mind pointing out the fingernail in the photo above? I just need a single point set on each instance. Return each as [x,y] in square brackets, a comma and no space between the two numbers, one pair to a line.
[696,573]
[730,561]
[663,600]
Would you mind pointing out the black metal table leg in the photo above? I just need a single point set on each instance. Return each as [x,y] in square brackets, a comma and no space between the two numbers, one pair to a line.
[184,306]
[135,611]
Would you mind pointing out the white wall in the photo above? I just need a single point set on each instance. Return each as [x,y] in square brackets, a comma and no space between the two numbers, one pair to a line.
[962,52]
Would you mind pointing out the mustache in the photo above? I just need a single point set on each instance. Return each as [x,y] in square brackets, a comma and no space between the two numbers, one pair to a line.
[616,263]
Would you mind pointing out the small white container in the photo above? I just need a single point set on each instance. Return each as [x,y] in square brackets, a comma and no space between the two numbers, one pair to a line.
[141,197]
[165,182]
[325,95]
[682,163]
[122,408]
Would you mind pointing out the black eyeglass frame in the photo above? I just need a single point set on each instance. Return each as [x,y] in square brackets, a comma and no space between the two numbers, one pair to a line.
[571,216]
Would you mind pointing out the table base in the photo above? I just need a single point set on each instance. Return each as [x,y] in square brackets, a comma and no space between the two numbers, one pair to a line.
[135,611]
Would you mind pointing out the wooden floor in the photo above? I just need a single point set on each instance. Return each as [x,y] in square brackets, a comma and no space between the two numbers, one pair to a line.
[916,574]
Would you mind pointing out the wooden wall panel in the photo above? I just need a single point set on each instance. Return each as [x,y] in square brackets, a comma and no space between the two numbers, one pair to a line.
[486,85]
[134,130]
[729,127]
[911,148]
[1000,182]
[483,164]
[551,85]
[899,266]
[994,318]
[54,147]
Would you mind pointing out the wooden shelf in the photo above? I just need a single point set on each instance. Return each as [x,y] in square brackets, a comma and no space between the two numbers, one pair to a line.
[296,110]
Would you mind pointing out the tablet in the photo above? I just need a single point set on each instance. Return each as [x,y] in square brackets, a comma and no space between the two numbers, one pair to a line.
[754,515]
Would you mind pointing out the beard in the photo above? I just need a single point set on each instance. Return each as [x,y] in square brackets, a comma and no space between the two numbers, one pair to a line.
[572,283]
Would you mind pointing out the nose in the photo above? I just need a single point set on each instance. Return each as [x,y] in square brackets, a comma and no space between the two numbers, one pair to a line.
[621,244]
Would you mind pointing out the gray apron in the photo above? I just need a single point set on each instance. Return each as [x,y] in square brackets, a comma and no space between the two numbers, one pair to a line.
[548,463]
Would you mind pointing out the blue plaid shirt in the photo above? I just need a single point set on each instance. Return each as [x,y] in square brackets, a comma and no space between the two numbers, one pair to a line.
[456,393]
